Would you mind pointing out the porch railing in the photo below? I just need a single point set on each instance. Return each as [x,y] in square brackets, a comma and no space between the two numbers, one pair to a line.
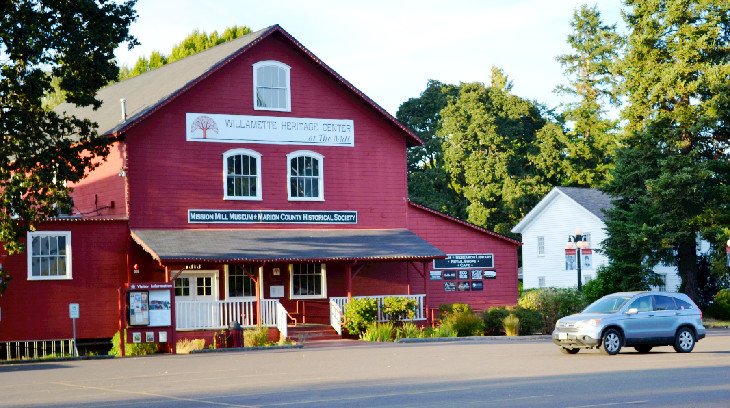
[281,320]
[218,314]
[336,316]
[341,302]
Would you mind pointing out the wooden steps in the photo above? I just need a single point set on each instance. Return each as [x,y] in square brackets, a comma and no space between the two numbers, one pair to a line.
[303,333]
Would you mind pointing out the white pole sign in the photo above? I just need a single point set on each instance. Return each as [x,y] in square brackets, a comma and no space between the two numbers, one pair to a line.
[73,313]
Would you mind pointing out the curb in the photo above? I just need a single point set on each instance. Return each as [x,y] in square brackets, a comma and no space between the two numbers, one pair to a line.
[54,360]
[239,349]
[475,339]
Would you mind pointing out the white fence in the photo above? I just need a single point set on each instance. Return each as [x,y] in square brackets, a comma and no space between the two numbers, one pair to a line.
[341,302]
[281,320]
[218,314]
[36,349]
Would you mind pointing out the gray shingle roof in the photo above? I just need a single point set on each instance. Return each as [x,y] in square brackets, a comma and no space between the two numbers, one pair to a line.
[147,92]
[593,200]
[256,245]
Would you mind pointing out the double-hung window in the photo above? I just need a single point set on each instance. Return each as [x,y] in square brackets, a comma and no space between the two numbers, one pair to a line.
[242,170]
[308,281]
[240,284]
[306,176]
[49,255]
[271,86]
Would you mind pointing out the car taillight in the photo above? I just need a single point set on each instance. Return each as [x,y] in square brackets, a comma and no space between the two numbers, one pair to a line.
[700,314]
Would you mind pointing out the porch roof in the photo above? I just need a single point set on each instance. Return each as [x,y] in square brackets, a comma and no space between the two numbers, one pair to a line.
[269,245]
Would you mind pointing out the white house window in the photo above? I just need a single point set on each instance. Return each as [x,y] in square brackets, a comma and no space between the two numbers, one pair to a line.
[541,282]
[271,86]
[306,179]
[662,287]
[540,246]
[240,284]
[182,286]
[308,281]
[242,170]
[49,255]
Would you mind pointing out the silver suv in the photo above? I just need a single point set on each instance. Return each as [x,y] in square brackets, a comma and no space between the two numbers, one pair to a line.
[639,319]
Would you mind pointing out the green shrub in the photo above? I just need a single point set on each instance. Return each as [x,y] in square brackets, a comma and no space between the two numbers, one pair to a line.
[553,303]
[131,349]
[443,331]
[531,321]
[721,308]
[399,308]
[451,308]
[493,320]
[409,330]
[511,325]
[185,346]
[257,337]
[359,314]
[380,332]
[464,324]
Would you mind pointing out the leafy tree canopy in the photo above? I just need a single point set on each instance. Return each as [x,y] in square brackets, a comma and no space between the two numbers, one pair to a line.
[75,41]
[671,178]
[489,136]
[192,44]
[428,182]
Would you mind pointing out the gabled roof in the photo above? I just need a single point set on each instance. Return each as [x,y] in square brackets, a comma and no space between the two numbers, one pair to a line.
[148,92]
[592,200]
[466,224]
[291,245]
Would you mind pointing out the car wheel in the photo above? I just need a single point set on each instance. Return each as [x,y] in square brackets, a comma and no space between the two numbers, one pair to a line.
[611,342]
[643,349]
[569,350]
[684,342]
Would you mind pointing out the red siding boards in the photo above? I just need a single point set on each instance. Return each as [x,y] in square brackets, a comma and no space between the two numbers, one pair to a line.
[168,175]
[457,237]
[38,309]
[101,194]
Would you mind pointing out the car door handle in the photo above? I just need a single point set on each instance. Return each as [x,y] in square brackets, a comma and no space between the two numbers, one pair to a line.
[650,315]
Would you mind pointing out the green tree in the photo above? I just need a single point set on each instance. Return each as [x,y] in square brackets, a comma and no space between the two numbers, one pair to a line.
[76,42]
[489,136]
[671,178]
[591,142]
[194,43]
[428,182]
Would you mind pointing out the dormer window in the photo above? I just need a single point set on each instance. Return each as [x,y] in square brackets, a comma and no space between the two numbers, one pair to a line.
[271,86]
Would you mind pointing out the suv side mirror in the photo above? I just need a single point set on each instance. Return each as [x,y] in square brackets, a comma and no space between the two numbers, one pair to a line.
[632,311]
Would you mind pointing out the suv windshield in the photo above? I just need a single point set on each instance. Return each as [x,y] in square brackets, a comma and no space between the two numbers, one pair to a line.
[609,304]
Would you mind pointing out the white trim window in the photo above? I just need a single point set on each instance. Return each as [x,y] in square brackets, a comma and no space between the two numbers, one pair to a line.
[242,174]
[307,281]
[272,90]
[49,255]
[540,246]
[540,281]
[305,171]
[240,285]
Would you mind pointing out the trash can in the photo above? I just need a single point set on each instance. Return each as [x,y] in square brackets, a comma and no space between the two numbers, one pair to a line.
[236,334]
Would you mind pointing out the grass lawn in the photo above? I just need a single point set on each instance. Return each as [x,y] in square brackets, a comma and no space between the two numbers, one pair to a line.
[712,323]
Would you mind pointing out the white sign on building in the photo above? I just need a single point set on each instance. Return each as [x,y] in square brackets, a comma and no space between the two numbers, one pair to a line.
[207,127]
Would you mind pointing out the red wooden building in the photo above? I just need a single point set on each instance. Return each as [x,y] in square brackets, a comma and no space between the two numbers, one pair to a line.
[266,187]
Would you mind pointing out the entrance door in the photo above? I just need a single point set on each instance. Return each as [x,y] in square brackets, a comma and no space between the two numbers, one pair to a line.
[196,293]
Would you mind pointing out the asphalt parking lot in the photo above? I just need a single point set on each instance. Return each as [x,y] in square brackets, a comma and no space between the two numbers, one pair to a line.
[482,372]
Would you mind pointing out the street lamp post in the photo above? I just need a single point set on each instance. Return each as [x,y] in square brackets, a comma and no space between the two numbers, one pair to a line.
[578,242]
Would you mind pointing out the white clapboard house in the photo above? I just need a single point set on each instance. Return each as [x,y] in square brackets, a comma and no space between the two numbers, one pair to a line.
[564,212]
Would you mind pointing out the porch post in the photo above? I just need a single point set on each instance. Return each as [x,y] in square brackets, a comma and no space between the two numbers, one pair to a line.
[425,288]
[258,295]
[348,278]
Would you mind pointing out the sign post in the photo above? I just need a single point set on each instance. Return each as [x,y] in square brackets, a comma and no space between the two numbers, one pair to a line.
[73,313]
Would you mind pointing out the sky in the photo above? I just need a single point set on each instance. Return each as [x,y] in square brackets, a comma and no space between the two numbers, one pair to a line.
[390,49]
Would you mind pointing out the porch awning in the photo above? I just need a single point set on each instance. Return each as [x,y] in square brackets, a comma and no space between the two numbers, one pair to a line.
[270,245]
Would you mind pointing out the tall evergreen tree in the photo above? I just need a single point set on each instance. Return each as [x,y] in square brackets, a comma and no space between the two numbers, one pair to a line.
[592,140]
[671,178]
[428,182]
[489,135]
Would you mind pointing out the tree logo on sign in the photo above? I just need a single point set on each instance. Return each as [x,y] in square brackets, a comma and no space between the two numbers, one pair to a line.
[204,123]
